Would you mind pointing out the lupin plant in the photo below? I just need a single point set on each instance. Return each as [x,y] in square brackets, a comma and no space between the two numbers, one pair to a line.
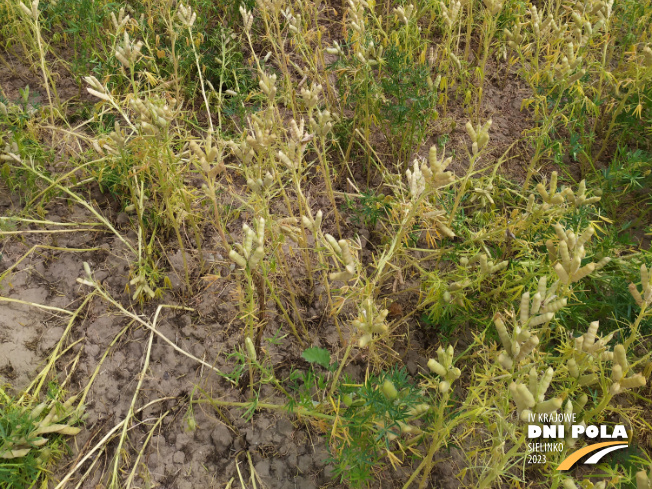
[323,114]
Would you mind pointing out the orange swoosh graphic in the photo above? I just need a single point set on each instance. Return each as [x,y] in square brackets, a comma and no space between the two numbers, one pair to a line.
[575,456]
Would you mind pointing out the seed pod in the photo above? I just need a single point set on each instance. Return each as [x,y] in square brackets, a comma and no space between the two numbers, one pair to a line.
[616,373]
[561,273]
[523,336]
[236,257]
[524,395]
[636,294]
[389,390]
[545,383]
[436,367]
[643,480]
[251,350]
[533,383]
[620,357]
[444,387]
[526,415]
[536,303]
[343,276]
[502,333]
[548,406]
[586,380]
[505,361]
[525,306]
[333,242]
[572,368]
[256,257]
[527,347]
[552,251]
[554,306]
[543,318]
[634,381]
[602,263]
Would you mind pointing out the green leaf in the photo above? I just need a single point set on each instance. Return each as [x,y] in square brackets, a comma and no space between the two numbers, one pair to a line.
[316,355]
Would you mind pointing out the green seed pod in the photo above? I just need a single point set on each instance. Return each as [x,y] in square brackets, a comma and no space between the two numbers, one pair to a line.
[636,294]
[533,383]
[536,303]
[580,403]
[527,347]
[236,257]
[634,381]
[548,406]
[555,306]
[525,308]
[545,383]
[389,390]
[561,273]
[251,350]
[572,368]
[505,361]
[444,387]
[256,257]
[620,357]
[526,415]
[522,336]
[502,333]
[526,396]
[588,379]
[569,484]
[543,318]
[616,373]
[333,242]
[436,367]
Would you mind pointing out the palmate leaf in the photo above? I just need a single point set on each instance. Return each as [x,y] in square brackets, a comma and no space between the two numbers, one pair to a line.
[320,356]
